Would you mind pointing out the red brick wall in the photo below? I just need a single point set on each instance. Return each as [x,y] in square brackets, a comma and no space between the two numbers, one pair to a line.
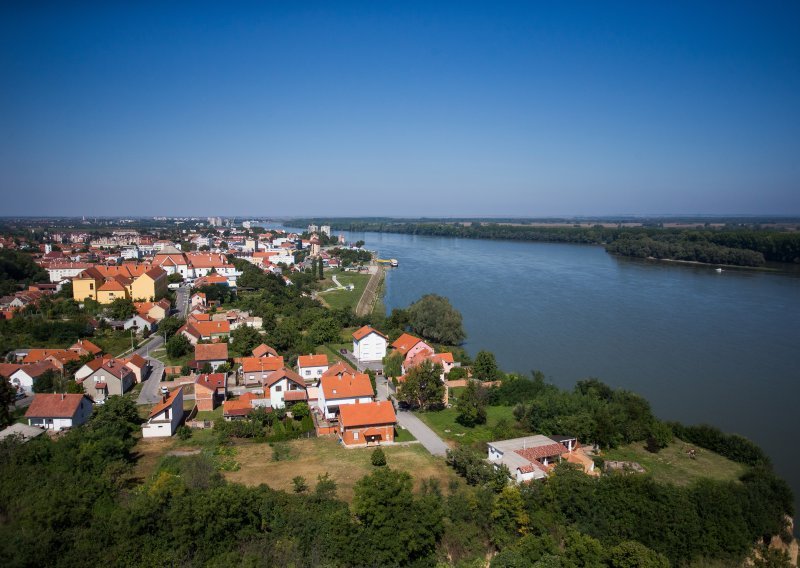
[387,435]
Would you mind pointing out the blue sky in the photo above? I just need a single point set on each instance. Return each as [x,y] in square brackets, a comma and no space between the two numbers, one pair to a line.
[378,108]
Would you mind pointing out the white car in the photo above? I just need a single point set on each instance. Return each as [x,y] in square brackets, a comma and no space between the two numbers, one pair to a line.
[174,285]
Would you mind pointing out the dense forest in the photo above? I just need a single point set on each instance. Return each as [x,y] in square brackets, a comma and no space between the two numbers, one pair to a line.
[738,246]
[75,501]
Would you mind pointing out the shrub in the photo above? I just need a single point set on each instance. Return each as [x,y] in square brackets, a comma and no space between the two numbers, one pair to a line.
[184,432]
[378,458]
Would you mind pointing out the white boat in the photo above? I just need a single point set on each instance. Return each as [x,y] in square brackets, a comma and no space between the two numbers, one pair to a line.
[394,262]
[718,269]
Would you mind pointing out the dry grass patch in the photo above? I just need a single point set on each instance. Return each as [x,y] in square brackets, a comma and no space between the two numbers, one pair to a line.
[148,452]
[316,456]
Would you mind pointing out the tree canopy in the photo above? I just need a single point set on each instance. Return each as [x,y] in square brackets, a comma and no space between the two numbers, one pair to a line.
[434,318]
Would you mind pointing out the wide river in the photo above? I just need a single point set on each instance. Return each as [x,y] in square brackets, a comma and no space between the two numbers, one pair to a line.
[721,348]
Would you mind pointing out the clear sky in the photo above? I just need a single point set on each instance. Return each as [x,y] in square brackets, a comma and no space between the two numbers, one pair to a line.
[404,108]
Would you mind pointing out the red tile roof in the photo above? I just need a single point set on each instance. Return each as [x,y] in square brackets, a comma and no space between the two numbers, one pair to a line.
[212,381]
[137,361]
[340,368]
[263,350]
[54,405]
[211,352]
[545,451]
[163,405]
[7,369]
[346,386]
[367,414]
[209,328]
[259,364]
[295,395]
[405,342]
[116,367]
[320,360]
[360,334]
[38,368]
[284,373]
[36,355]
[86,345]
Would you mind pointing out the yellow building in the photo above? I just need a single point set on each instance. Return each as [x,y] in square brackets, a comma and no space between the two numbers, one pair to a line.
[108,283]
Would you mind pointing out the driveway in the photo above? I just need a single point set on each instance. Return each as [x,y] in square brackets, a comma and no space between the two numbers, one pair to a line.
[150,393]
[427,437]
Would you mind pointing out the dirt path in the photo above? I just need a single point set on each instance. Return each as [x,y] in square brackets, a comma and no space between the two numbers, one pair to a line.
[370,294]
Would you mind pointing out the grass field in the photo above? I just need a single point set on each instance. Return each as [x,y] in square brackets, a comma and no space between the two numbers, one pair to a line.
[443,422]
[161,355]
[316,456]
[209,414]
[346,298]
[673,465]
[113,342]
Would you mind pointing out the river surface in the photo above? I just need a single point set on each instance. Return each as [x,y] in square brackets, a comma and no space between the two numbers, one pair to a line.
[701,346]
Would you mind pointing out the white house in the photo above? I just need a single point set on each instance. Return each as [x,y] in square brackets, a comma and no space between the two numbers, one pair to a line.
[311,367]
[337,390]
[530,457]
[284,386]
[139,323]
[369,344]
[23,377]
[59,411]
[165,417]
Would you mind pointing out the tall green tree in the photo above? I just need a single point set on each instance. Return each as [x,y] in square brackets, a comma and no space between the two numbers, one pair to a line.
[471,405]
[434,318]
[398,529]
[484,368]
[423,387]
[7,397]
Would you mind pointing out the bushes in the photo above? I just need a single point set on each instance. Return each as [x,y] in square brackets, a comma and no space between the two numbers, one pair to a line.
[732,446]
[378,458]
[476,470]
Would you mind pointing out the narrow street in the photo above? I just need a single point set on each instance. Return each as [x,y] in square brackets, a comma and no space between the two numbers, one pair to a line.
[427,437]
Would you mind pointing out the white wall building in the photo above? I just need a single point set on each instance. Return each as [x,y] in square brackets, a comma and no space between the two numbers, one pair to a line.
[369,344]
[165,417]
[59,411]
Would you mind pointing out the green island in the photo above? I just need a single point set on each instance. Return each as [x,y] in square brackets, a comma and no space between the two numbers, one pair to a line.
[724,242]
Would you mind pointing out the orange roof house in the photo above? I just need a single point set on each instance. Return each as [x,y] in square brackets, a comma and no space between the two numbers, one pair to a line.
[211,353]
[311,367]
[406,342]
[238,408]
[85,347]
[209,390]
[361,333]
[264,350]
[59,411]
[367,424]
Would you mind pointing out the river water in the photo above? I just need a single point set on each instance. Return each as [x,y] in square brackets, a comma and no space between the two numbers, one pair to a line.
[702,346]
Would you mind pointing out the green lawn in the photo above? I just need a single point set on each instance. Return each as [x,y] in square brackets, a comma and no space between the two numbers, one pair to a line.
[113,342]
[673,465]
[403,435]
[332,351]
[161,355]
[443,422]
[346,298]
[210,414]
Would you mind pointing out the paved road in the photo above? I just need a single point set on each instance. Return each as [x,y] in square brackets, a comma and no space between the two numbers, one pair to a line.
[182,300]
[427,437]
[150,392]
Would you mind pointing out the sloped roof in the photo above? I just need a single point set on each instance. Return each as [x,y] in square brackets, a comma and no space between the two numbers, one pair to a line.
[211,351]
[209,328]
[163,405]
[86,345]
[8,369]
[137,361]
[346,386]
[259,364]
[263,350]
[320,360]
[46,405]
[211,381]
[367,414]
[116,367]
[405,342]
[360,334]
[284,373]
[35,369]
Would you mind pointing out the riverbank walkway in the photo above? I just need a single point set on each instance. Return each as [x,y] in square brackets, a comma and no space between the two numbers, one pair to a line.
[370,295]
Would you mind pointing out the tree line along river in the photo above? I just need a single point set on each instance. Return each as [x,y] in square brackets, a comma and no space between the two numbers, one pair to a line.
[700,345]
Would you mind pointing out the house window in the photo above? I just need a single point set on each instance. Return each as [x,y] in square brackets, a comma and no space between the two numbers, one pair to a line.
[91,285]
[308,372]
[355,435]
[278,388]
